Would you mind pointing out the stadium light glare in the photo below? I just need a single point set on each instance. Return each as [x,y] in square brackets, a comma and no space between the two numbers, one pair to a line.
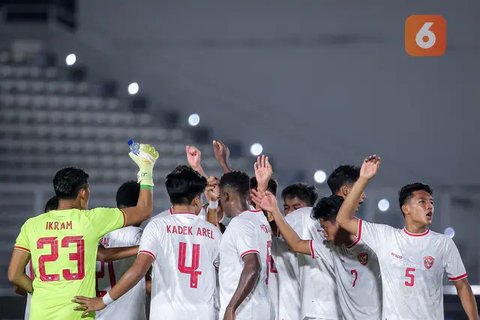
[133,88]
[256,149]
[383,205]
[449,232]
[320,176]
[194,119]
[71,59]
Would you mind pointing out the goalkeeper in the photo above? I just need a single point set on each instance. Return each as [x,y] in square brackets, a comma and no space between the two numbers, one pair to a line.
[62,244]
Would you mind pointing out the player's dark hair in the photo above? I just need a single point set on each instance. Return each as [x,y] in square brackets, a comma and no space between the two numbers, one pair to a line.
[407,191]
[327,208]
[184,184]
[52,204]
[68,182]
[240,181]
[345,174]
[306,193]
[272,185]
[127,194]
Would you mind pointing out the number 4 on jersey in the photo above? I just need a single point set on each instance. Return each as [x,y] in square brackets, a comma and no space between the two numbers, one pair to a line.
[191,270]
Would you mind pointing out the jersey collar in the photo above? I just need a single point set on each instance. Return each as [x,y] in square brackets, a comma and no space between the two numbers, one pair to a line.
[424,233]
[171,212]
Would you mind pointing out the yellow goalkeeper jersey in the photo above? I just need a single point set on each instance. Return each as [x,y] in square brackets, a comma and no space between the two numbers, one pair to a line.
[63,247]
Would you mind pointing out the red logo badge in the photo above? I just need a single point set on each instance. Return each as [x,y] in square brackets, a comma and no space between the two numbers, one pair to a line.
[363,258]
[428,262]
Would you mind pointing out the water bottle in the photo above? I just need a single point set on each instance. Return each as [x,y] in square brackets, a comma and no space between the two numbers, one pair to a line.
[134,146]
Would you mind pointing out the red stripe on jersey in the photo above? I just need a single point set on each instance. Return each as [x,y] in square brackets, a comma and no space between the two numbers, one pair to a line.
[147,252]
[312,252]
[22,248]
[353,244]
[248,252]
[359,231]
[124,217]
[460,277]
[417,234]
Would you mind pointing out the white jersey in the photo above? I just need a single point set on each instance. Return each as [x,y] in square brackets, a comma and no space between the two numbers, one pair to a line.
[286,272]
[358,279]
[412,267]
[185,250]
[318,289]
[132,304]
[273,281]
[247,233]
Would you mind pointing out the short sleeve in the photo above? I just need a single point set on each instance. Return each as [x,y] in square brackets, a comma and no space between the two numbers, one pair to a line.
[246,239]
[453,262]
[124,237]
[22,242]
[320,250]
[295,221]
[374,234]
[105,220]
[150,242]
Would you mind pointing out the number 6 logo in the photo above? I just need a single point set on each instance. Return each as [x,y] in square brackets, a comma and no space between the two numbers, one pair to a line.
[425,35]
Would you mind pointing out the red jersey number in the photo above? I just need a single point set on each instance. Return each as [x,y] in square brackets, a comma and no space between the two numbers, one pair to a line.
[191,270]
[78,256]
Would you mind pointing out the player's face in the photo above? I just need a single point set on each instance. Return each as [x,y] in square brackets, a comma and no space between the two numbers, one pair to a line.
[291,204]
[420,207]
[330,229]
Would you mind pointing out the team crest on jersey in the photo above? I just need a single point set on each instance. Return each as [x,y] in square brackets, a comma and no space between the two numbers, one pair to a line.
[363,258]
[428,261]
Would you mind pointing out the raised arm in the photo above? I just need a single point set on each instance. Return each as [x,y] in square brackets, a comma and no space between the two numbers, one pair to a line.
[194,159]
[212,193]
[269,203]
[16,270]
[263,172]
[129,279]
[222,154]
[145,161]
[246,284]
[467,298]
[346,214]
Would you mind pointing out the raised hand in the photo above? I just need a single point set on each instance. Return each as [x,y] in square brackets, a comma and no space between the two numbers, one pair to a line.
[194,159]
[222,154]
[370,166]
[265,200]
[145,160]
[88,305]
[263,172]
[194,156]
[212,191]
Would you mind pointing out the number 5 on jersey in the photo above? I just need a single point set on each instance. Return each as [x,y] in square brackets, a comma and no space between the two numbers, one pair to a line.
[425,35]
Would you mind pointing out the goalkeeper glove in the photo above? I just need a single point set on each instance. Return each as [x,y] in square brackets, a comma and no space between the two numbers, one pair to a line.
[145,160]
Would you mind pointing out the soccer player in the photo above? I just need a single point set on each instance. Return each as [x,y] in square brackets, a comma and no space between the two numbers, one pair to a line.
[316,277]
[244,252]
[63,243]
[51,204]
[413,259]
[132,304]
[183,250]
[355,265]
